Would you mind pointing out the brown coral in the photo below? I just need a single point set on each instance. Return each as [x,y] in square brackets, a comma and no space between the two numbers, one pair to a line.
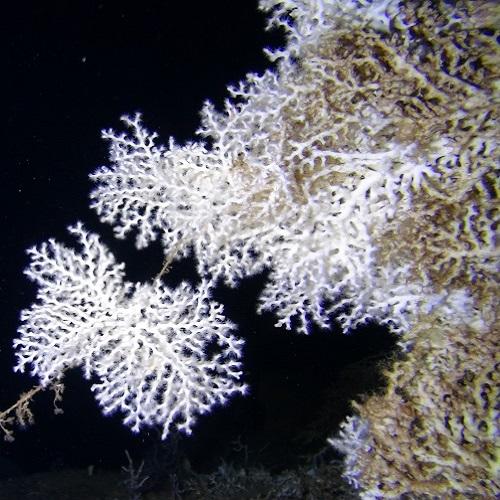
[434,431]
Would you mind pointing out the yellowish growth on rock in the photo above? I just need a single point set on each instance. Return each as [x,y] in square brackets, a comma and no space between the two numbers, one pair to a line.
[437,79]
[435,430]
[449,237]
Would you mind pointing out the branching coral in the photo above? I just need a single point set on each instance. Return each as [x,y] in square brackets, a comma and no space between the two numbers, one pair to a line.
[435,430]
[363,173]
[159,356]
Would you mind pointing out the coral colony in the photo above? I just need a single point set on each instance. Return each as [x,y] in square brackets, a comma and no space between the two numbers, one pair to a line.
[363,172]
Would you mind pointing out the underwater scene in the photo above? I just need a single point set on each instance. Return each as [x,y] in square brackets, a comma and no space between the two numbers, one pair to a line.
[250,250]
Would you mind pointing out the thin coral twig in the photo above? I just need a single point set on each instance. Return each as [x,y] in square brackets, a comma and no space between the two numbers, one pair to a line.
[20,411]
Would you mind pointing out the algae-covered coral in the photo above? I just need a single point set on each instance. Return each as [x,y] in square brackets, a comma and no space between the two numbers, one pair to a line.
[435,429]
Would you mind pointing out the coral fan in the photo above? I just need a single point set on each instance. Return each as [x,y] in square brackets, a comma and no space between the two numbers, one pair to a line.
[160,356]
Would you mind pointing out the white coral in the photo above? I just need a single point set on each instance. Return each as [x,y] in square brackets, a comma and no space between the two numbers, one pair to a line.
[160,356]
[241,208]
[353,440]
